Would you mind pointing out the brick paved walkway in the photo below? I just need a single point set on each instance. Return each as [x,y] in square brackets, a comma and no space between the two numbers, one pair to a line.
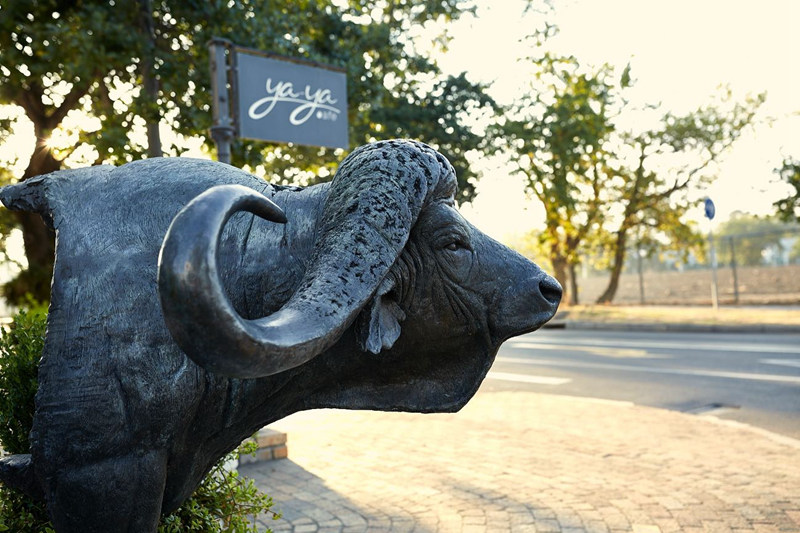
[527,462]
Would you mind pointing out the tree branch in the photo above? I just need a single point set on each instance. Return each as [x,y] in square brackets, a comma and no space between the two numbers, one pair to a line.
[31,101]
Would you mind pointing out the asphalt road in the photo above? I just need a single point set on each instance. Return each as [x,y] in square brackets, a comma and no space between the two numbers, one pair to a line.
[751,378]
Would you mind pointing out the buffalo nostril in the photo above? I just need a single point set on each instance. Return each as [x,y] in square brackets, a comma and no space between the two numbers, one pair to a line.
[550,290]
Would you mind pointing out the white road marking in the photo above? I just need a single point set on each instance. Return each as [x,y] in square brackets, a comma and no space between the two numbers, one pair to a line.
[594,350]
[708,347]
[781,362]
[673,371]
[525,378]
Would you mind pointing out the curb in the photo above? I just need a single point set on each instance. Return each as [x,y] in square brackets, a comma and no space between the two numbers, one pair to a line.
[771,435]
[674,327]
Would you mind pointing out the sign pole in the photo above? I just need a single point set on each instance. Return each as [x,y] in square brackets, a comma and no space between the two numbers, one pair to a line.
[639,264]
[222,131]
[714,288]
[641,275]
[710,211]
[733,270]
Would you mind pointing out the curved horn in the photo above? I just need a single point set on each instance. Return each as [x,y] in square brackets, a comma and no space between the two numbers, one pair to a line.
[376,195]
[191,293]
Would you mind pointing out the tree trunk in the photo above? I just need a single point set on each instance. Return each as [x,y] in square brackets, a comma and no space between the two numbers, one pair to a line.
[39,240]
[616,268]
[150,88]
[573,286]
[560,273]
[150,81]
[567,277]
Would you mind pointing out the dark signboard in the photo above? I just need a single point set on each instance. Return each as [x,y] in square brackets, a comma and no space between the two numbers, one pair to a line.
[289,101]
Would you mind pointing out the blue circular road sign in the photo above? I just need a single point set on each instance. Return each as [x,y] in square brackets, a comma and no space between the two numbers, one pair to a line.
[710,209]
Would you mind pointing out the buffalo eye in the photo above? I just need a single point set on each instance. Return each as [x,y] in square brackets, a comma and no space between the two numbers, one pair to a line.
[456,257]
[456,245]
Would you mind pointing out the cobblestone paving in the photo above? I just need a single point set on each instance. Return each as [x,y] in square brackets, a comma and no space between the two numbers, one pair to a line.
[527,462]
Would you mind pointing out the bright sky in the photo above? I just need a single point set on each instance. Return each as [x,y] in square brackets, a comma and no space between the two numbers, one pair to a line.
[680,52]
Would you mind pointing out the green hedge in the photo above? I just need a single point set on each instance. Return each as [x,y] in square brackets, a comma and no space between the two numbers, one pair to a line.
[223,503]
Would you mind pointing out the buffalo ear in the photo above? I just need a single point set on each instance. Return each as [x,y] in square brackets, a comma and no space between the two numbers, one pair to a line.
[379,324]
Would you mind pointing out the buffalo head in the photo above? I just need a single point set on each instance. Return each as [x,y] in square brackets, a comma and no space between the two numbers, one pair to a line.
[401,298]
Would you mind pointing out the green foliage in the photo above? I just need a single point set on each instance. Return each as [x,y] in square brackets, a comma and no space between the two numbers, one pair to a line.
[62,60]
[788,208]
[394,90]
[223,503]
[665,163]
[599,182]
[556,141]
[20,350]
[20,514]
[437,118]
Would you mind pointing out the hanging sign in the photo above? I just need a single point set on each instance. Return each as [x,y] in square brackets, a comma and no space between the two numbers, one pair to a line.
[284,100]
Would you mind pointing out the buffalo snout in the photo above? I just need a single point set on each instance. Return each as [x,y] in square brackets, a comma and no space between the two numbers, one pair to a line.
[527,297]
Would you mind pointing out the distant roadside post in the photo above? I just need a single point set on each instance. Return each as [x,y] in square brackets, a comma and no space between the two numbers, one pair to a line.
[710,211]
[257,95]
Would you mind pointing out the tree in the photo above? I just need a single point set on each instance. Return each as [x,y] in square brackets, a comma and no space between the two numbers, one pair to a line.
[598,182]
[652,190]
[789,208]
[131,67]
[555,137]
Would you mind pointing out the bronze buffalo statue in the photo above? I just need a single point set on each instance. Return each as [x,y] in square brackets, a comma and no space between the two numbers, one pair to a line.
[181,320]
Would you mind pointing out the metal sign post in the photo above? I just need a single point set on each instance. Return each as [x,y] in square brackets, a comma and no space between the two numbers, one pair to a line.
[710,211]
[222,131]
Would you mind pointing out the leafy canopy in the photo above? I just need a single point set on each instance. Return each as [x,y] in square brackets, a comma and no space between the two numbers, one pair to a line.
[58,57]
[788,208]
[555,136]
[600,176]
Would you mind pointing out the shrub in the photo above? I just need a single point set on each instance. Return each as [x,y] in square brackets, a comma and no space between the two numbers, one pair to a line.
[20,351]
[223,503]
